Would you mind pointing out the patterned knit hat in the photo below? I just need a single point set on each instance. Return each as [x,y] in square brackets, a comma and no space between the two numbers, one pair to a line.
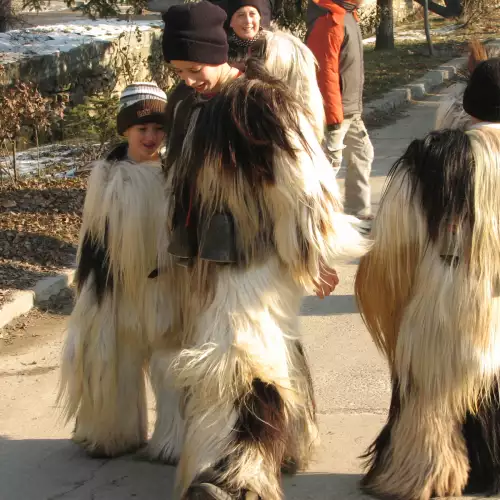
[141,102]
[482,95]
[195,32]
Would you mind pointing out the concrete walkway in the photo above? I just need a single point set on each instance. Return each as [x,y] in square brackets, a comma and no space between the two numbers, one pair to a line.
[38,462]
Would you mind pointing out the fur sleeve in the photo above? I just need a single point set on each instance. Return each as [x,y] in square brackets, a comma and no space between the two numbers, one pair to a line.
[307,210]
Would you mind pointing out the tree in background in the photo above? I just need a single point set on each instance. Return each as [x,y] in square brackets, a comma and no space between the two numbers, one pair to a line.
[5,15]
[428,28]
[385,28]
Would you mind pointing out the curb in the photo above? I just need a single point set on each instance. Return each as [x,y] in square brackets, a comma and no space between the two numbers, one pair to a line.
[25,300]
[418,89]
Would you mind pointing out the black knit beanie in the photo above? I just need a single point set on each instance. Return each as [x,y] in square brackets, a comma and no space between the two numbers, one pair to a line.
[482,95]
[263,6]
[195,32]
[140,103]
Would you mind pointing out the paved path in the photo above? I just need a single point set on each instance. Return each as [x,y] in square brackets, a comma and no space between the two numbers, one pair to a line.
[38,462]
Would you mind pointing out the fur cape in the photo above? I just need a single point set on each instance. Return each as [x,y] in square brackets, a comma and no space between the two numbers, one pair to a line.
[428,293]
[236,358]
[118,311]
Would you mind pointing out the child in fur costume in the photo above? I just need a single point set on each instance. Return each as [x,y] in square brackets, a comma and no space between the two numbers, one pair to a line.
[118,310]
[255,210]
[436,315]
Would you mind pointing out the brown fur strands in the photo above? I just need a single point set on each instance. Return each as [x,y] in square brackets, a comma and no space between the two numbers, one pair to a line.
[442,338]
[477,53]
[249,121]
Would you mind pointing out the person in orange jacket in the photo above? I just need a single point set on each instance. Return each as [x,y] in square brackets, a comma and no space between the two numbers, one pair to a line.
[335,39]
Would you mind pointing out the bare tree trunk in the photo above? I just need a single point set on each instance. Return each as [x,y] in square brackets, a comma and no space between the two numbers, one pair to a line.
[428,28]
[385,29]
[14,164]
[5,15]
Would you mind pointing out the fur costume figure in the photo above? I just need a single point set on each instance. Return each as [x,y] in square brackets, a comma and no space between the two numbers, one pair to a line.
[428,292]
[259,208]
[450,113]
[118,311]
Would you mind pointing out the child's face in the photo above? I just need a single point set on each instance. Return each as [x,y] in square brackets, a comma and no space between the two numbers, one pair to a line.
[144,141]
[204,78]
[246,22]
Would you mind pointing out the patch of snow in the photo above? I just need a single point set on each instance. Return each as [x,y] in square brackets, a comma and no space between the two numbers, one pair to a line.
[50,155]
[56,38]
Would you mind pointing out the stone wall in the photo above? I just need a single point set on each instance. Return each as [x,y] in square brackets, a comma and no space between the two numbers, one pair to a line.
[94,67]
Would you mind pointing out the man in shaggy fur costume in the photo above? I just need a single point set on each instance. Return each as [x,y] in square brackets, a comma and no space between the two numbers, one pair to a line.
[261,216]
[255,214]
[429,294]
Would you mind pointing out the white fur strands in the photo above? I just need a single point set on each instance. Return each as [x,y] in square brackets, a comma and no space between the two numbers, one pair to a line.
[288,59]
[442,338]
[247,334]
[119,311]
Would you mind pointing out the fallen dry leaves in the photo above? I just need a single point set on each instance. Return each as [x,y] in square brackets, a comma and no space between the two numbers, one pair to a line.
[40,220]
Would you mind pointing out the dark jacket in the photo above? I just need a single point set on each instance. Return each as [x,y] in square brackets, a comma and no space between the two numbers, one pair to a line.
[335,39]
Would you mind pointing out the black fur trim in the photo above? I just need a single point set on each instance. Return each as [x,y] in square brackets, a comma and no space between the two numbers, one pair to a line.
[377,452]
[441,168]
[94,260]
[482,436]
[261,416]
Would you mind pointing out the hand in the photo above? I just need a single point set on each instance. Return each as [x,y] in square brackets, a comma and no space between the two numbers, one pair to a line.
[328,281]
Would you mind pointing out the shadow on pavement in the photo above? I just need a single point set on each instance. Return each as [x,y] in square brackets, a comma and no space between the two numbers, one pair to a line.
[332,305]
[52,469]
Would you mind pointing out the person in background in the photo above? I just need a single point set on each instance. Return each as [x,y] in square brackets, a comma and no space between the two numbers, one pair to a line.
[335,39]
[247,21]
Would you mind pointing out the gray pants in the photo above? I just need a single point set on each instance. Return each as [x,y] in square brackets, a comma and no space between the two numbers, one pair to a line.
[351,140]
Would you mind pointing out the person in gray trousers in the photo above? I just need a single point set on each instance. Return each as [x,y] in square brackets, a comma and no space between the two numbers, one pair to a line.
[335,39]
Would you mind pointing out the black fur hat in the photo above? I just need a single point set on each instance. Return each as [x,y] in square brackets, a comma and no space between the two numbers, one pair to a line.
[195,32]
[482,95]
